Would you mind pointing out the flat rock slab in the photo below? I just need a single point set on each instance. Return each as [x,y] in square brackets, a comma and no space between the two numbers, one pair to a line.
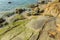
[36,29]
[38,23]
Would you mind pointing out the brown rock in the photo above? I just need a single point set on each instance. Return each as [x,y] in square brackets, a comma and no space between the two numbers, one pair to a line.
[52,9]
[52,33]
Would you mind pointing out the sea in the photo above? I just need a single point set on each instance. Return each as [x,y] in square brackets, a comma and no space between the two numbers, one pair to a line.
[5,6]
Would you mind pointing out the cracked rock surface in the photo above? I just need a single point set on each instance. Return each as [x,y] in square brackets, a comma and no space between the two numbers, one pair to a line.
[44,27]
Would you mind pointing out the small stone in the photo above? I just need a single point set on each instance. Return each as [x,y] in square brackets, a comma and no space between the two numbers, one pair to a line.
[52,33]
[9,2]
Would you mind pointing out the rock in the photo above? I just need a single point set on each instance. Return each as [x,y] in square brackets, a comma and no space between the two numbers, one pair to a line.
[42,2]
[19,11]
[12,18]
[34,36]
[1,25]
[58,28]
[52,33]
[33,6]
[9,2]
[38,23]
[10,14]
[50,25]
[52,9]
[2,20]
[28,14]
[35,11]
[56,0]
[45,1]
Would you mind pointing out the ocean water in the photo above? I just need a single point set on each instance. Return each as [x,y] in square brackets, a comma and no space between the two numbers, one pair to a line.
[5,6]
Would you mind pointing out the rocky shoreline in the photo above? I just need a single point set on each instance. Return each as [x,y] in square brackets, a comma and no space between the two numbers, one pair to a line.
[40,22]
